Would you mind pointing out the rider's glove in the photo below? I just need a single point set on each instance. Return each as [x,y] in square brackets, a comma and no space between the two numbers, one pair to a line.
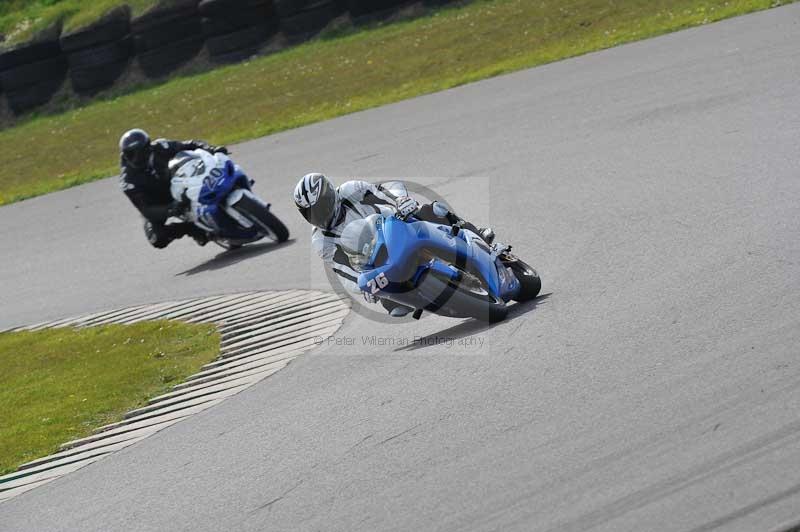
[221,149]
[369,297]
[406,206]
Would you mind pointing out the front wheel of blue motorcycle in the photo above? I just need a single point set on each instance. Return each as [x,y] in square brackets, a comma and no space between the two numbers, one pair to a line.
[462,300]
[529,280]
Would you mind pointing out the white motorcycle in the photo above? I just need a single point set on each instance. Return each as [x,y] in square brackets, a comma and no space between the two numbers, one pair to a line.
[220,200]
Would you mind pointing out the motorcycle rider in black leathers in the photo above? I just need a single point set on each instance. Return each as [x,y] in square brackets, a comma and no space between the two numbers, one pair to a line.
[145,179]
[329,209]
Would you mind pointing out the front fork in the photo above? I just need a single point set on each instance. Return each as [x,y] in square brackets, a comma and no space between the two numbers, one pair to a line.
[234,198]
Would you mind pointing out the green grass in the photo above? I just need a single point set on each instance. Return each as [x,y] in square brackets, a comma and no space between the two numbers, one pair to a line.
[21,19]
[59,384]
[332,77]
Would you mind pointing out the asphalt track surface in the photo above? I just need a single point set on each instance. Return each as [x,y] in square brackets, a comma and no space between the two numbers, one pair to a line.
[656,186]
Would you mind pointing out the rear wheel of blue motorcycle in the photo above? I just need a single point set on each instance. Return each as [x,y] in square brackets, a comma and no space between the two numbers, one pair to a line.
[459,301]
[528,278]
[260,215]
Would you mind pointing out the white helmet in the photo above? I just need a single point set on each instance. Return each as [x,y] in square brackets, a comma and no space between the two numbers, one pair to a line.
[317,200]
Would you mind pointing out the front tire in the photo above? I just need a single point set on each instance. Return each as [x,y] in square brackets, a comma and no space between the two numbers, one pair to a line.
[529,280]
[260,215]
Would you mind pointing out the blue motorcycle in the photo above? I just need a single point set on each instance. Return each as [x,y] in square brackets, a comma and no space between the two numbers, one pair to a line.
[436,268]
[220,200]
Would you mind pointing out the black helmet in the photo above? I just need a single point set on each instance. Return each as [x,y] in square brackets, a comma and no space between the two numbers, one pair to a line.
[134,146]
[317,200]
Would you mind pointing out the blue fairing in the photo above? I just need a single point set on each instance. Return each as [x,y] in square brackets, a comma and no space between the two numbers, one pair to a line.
[406,242]
[221,182]
[215,218]
[213,193]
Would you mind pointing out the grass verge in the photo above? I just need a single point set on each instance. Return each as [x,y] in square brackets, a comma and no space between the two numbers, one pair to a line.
[331,77]
[59,384]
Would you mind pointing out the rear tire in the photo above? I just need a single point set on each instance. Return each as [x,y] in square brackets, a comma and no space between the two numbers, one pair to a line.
[260,215]
[458,302]
[529,280]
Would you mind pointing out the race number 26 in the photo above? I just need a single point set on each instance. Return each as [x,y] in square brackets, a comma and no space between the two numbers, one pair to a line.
[377,283]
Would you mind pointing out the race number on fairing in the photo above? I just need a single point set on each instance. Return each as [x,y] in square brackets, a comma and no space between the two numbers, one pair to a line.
[377,283]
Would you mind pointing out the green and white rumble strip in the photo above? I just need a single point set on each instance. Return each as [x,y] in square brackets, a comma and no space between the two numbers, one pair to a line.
[261,333]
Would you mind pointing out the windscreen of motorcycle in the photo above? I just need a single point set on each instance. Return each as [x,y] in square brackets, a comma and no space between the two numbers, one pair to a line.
[358,240]
[186,164]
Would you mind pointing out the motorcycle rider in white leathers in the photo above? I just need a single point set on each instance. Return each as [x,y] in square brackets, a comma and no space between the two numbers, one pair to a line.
[330,210]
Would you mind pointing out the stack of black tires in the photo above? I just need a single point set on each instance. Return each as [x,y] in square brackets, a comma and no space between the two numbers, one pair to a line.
[301,19]
[99,53]
[236,29]
[367,8]
[32,73]
[163,39]
[167,36]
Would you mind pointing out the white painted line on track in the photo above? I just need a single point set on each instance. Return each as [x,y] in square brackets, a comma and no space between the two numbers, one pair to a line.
[21,477]
[5,495]
[205,385]
[102,435]
[228,361]
[145,431]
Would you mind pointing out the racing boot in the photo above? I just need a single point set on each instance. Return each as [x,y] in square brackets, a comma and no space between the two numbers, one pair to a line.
[487,234]
[400,312]
[396,310]
[198,235]
[201,239]
[503,251]
[440,210]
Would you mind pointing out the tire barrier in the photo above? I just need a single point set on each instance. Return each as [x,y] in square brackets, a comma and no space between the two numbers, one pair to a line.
[32,73]
[302,19]
[238,45]
[99,54]
[167,36]
[370,8]
[236,29]
[262,332]
[112,26]
[231,20]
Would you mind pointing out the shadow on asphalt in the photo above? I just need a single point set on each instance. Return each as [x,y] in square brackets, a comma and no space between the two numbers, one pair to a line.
[234,256]
[472,327]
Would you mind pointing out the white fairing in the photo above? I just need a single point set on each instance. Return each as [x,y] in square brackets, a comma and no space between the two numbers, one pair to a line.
[193,169]
[188,179]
